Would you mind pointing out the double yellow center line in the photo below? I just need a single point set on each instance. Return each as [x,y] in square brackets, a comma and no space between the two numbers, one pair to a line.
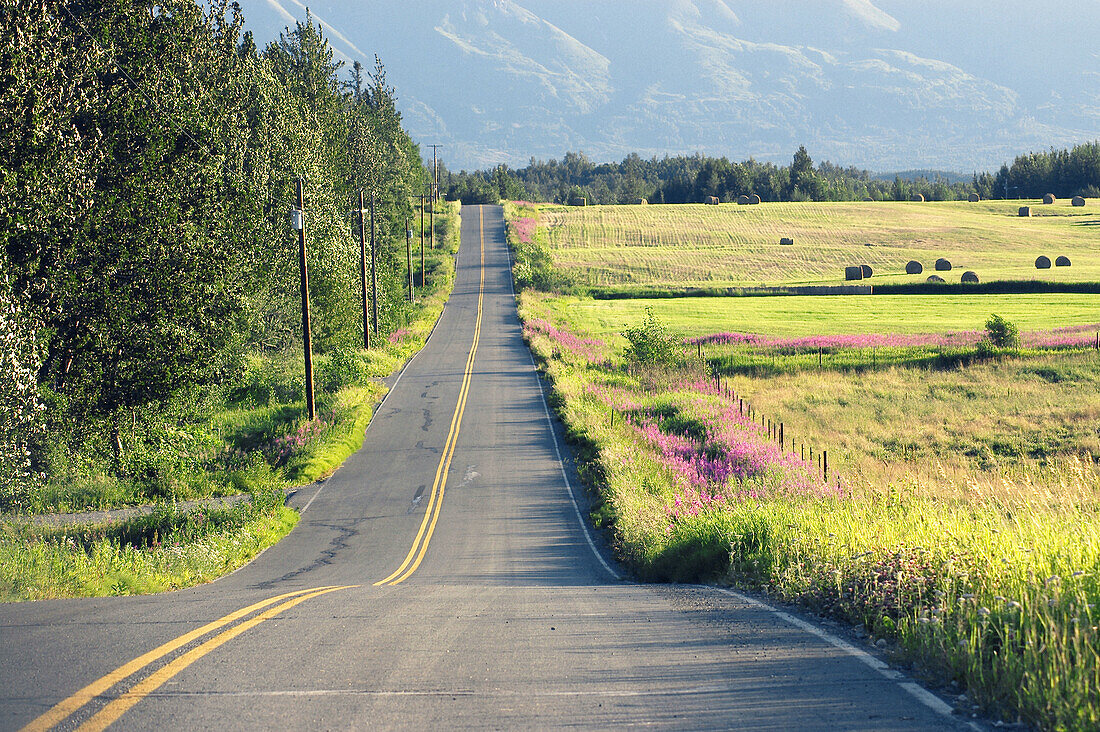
[116,708]
[435,501]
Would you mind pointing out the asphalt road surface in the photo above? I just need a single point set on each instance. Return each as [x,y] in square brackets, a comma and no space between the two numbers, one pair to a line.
[442,579]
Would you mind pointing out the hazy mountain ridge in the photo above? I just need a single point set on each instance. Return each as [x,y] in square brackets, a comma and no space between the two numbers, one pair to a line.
[882,85]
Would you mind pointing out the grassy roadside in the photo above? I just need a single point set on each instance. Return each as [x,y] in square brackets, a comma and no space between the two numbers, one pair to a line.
[258,442]
[995,590]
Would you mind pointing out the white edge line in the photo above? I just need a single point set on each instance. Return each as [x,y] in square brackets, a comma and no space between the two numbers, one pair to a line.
[916,691]
[554,435]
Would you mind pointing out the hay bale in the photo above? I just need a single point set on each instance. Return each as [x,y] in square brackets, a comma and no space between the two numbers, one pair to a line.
[754,199]
[1049,199]
[742,200]
[1042,262]
[853,273]
[973,198]
[867,272]
[786,241]
[1062,262]
[1078,201]
[1025,211]
[914,267]
[712,200]
[970,278]
[936,278]
[917,198]
[942,265]
[642,202]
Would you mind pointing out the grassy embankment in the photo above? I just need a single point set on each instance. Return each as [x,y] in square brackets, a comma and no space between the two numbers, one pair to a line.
[965,529]
[639,248]
[257,442]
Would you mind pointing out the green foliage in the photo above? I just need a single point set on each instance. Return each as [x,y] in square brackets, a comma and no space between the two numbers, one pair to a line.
[21,410]
[1002,333]
[652,344]
[148,156]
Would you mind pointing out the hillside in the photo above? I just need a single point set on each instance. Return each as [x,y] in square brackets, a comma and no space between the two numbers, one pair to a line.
[885,85]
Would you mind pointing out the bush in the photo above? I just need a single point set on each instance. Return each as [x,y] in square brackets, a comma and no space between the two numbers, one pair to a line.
[651,343]
[341,367]
[1002,333]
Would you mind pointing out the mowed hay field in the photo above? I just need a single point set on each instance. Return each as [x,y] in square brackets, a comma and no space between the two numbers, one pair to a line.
[686,245]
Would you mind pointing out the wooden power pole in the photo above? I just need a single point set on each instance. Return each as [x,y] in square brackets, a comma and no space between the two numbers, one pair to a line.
[422,241]
[373,267]
[363,270]
[299,221]
[408,255]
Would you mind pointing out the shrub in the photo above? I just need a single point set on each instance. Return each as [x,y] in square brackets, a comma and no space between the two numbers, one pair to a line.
[651,342]
[341,367]
[1002,333]
[20,406]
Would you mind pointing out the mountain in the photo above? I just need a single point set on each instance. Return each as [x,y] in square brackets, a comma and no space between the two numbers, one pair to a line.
[884,85]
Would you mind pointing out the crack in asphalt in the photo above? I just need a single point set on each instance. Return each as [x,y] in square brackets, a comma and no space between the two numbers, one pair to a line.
[339,542]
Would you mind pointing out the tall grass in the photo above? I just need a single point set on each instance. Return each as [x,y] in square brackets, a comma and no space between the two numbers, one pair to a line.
[993,587]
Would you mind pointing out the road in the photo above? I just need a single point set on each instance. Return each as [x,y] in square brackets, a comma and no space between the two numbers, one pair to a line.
[442,578]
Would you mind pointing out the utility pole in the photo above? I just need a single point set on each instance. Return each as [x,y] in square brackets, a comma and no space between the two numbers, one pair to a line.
[373,267]
[363,270]
[435,172]
[431,224]
[298,218]
[408,255]
[422,241]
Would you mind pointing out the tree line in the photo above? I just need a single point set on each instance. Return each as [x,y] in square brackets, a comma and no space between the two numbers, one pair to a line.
[694,178]
[149,154]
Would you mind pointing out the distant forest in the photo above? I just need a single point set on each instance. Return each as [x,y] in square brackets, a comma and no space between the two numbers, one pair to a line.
[691,179]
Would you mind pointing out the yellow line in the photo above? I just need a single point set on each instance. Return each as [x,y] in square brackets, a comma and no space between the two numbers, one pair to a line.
[110,713]
[62,710]
[435,502]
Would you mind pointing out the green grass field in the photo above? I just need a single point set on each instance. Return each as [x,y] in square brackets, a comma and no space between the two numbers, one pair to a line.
[731,245]
[964,525]
[797,315]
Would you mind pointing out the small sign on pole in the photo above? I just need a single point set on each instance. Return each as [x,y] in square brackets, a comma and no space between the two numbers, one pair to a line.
[297,219]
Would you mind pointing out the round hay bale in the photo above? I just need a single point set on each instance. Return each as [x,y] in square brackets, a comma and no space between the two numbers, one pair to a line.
[1062,262]
[1078,201]
[786,241]
[914,267]
[917,198]
[970,278]
[867,271]
[1025,211]
[742,200]
[853,273]
[936,278]
[942,265]
[1049,199]
[754,199]
[974,198]
[642,202]
[1042,262]
[712,200]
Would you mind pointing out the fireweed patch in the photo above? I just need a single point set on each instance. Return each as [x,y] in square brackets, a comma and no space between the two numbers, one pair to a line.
[999,597]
